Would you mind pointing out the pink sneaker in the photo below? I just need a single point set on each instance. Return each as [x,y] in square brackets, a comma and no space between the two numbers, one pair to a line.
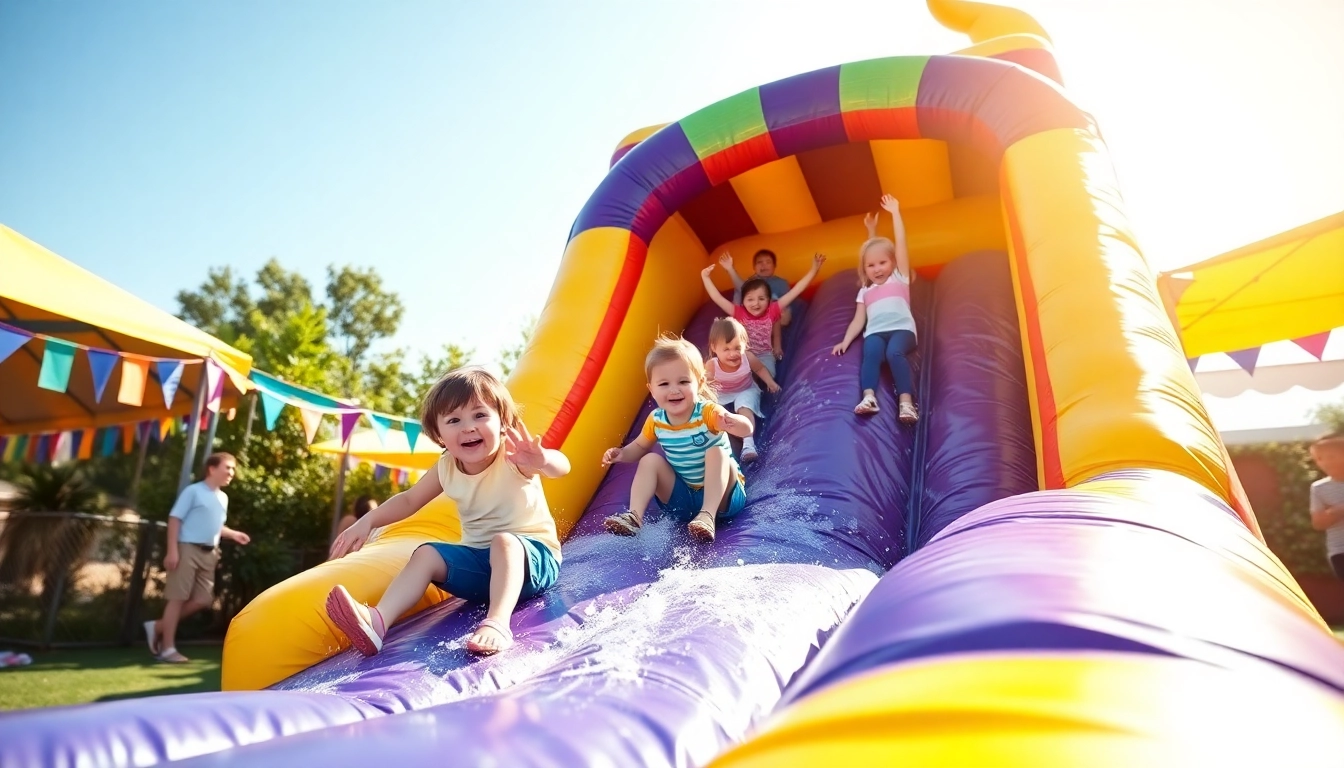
[354,619]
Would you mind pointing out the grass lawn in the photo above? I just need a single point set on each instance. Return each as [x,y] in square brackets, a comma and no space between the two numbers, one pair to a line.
[105,674]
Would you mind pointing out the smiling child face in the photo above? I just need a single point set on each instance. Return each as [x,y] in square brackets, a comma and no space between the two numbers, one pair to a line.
[673,386]
[470,434]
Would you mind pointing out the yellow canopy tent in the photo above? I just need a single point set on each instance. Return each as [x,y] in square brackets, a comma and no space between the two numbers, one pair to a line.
[395,452]
[1289,286]
[45,295]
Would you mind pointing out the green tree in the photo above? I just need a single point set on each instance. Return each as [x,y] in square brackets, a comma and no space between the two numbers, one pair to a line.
[1331,415]
[361,311]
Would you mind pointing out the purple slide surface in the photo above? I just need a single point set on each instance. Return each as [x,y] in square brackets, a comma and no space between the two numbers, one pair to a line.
[650,651]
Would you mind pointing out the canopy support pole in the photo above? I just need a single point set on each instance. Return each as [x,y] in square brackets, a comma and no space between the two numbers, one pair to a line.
[339,505]
[193,434]
[209,439]
[247,427]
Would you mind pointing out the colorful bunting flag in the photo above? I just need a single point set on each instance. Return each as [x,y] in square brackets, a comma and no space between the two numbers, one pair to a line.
[101,364]
[271,406]
[1246,358]
[1314,344]
[17,446]
[214,385]
[109,442]
[10,341]
[165,428]
[60,448]
[57,359]
[380,426]
[379,472]
[412,433]
[170,376]
[4,446]
[134,378]
[348,421]
[311,421]
[128,438]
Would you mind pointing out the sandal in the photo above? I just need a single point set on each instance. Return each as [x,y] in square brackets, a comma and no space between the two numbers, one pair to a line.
[506,638]
[909,414]
[624,524]
[172,656]
[355,620]
[867,406]
[702,527]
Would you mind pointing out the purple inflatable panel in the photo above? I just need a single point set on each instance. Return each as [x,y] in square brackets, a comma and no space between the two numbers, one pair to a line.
[1087,570]
[977,442]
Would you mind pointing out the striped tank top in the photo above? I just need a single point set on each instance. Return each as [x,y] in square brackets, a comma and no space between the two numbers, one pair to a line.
[732,383]
[685,445]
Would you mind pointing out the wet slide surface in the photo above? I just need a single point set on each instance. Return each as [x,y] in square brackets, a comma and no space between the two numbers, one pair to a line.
[652,650]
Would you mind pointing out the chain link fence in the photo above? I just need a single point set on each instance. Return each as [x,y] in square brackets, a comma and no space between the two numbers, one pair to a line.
[71,579]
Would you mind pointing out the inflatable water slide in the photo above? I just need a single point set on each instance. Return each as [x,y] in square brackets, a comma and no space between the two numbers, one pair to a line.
[1054,567]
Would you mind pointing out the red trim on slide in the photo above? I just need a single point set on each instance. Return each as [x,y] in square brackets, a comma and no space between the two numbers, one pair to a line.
[1053,471]
[600,349]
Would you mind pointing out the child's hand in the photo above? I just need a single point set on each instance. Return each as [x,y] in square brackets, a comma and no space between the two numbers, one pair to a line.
[772,386]
[840,349]
[351,539]
[891,205]
[818,260]
[779,352]
[707,271]
[726,260]
[870,221]
[524,450]
[612,456]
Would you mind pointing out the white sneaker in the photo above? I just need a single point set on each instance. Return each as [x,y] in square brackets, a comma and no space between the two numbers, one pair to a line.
[748,450]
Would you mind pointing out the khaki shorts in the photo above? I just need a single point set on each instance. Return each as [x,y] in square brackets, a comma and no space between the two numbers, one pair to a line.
[194,577]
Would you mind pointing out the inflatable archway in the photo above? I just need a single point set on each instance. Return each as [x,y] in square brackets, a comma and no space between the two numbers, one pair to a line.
[1063,546]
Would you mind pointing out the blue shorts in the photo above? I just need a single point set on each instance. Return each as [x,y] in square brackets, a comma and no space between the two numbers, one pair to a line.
[685,502]
[469,570]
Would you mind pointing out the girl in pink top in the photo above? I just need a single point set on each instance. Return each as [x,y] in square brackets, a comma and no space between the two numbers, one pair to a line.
[729,371]
[882,314]
[757,313]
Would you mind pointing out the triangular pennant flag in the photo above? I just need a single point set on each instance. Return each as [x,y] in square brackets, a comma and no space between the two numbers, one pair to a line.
[1246,358]
[412,433]
[101,364]
[271,406]
[128,439]
[348,421]
[134,377]
[110,439]
[311,421]
[57,360]
[10,341]
[1314,344]
[165,428]
[214,385]
[42,450]
[170,376]
[1193,362]
[380,426]
[379,472]
[61,450]
[19,447]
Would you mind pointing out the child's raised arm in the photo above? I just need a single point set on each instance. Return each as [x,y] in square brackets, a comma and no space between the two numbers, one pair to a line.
[714,295]
[870,222]
[893,206]
[395,509]
[726,261]
[854,329]
[798,289]
[760,370]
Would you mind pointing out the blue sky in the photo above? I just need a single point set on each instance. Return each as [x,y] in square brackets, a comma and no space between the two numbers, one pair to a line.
[450,144]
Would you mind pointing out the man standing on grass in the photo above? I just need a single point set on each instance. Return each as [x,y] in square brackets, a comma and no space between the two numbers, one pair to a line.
[195,527]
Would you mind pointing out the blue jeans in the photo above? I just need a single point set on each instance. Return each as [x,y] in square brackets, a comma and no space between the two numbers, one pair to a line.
[893,346]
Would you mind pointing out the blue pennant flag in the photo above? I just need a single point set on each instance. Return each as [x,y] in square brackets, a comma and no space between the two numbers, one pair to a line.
[271,406]
[10,341]
[170,375]
[101,364]
[412,433]
[380,426]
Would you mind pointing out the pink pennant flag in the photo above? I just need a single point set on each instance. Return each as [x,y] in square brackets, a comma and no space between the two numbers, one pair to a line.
[311,421]
[1314,344]
[60,452]
[1246,358]
[348,421]
[214,385]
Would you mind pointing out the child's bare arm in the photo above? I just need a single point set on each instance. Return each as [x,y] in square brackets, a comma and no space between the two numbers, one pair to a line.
[893,206]
[632,451]
[854,329]
[399,507]
[726,261]
[777,340]
[758,368]
[714,295]
[737,426]
[528,455]
[802,284]
[1328,517]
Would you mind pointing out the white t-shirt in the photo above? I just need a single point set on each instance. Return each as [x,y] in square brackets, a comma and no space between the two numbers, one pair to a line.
[202,510]
[498,500]
[888,306]
[1328,493]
